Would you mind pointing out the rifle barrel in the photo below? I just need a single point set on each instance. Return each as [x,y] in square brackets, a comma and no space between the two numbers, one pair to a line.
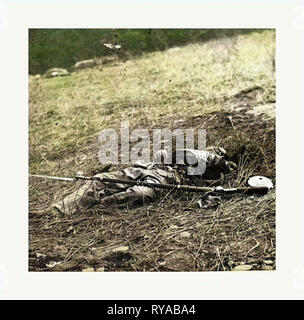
[244,190]
[53,178]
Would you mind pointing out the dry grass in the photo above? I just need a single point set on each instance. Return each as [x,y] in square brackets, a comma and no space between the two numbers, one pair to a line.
[171,235]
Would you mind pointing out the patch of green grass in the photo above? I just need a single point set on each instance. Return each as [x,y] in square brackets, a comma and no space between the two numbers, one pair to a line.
[51,48]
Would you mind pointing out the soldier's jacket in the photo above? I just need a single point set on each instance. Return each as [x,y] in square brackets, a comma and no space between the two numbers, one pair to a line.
[104,193]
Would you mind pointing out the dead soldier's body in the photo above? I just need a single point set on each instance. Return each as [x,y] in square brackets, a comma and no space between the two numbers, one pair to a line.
[97,193]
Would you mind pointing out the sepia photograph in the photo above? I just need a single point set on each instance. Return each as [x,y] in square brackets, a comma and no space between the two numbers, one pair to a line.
[152,150]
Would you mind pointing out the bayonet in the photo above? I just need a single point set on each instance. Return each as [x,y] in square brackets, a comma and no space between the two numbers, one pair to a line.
[189,188]
[53,178]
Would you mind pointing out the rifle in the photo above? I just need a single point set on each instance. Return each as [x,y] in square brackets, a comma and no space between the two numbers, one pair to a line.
[218,190]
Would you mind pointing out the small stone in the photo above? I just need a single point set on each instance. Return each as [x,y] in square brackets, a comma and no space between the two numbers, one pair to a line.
[56,72]
[185,234]
[121,249]
[267,268]
[101,269]
[85,64]
[70,229]
[243,267]
[90,269]
[40,255]
[53,264]
[268,262]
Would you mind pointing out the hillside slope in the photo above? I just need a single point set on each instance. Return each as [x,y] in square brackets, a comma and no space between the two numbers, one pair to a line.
[226,86]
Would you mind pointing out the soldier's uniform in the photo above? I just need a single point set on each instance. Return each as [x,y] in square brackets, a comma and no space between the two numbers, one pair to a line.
[105,193]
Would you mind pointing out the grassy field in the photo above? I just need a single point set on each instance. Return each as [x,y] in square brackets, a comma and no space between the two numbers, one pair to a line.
[51,48]
[215,85]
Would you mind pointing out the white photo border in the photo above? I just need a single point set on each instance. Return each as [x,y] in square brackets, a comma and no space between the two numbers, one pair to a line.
[16,17]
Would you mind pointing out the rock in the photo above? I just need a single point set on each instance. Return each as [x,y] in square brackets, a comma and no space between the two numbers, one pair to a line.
[53,264]
[112,46]
[121,249]
[47,226]
[260,181]
[101,269]
[86,64]
[40,255]
[242,267]
[71,230]
[267,268]
[66,266]
[56,72]
[268,262]
[89,269]
[185,234]
[178,122]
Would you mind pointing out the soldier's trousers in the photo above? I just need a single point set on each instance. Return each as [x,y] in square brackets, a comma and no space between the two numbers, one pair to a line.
[104,194]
